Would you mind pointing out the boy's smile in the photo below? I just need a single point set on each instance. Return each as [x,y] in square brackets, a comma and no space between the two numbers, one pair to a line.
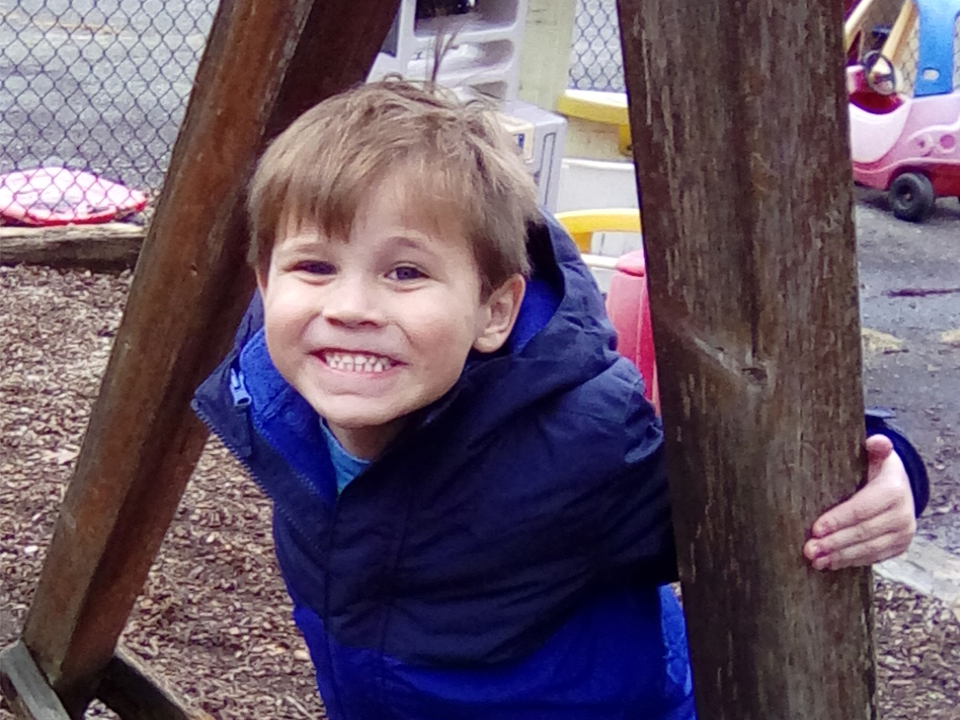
[357,362]
[370,328]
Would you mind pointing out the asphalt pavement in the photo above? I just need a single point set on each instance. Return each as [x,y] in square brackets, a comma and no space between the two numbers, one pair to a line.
[910,311]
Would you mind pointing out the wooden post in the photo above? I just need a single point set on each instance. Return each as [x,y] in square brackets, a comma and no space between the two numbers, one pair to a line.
[739,120]
[265,62]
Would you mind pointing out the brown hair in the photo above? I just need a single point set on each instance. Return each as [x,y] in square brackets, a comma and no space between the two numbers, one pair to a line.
[453,156]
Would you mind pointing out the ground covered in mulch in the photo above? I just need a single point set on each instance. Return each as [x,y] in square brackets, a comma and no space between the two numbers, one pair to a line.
[213,620]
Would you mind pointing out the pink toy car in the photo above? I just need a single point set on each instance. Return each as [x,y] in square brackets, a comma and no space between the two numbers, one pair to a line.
[909,143]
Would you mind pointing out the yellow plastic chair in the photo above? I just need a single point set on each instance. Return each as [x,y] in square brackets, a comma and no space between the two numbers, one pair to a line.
[608,108]
[582,224]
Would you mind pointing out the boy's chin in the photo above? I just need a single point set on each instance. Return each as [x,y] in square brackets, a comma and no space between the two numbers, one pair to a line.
[365,437]
[354,414]
[362,422]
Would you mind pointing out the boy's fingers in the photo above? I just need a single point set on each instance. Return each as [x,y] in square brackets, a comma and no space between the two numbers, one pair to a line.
[872,551]
[878,448]
[896,522]
[865,505]
[875,524]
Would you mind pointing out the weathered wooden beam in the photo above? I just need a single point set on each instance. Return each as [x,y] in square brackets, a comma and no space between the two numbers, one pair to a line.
[739,121]
[129,689]
[265,62]
[26,688]
[111,246]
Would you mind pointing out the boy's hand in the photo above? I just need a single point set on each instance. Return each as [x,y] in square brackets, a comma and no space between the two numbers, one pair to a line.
[875,524]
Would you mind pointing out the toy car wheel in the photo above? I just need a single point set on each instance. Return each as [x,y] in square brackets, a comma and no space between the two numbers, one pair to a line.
[912,197]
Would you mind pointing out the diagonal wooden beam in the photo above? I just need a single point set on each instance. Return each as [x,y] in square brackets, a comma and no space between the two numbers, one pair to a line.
[25,688]
[739,120]
[265,62]
[129,689]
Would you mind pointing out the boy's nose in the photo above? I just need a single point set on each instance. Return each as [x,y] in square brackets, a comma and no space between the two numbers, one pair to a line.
[352,302]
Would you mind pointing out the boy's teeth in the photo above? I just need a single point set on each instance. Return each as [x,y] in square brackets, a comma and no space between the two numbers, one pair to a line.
[358,363]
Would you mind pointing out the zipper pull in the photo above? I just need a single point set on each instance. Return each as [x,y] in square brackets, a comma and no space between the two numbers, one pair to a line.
[241,404]
[241,398]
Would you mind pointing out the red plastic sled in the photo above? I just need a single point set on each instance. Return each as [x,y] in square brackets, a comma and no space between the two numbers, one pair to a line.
[59,196]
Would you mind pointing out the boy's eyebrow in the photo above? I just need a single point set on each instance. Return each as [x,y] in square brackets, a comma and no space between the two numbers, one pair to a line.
[418,238]
[406,238]
[409,239]
[301,241]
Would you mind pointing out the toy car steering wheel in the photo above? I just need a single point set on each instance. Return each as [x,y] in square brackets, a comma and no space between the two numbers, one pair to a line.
[879,73]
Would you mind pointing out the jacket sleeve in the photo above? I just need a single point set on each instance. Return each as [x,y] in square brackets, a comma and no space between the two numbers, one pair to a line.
[877,422]
[637,527]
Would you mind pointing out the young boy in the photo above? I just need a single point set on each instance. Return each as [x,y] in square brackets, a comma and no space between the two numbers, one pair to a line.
[471,508]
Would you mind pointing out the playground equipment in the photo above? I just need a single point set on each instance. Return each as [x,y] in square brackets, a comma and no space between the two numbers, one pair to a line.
[540,136]
[481,57]
[485,54]
[906,140]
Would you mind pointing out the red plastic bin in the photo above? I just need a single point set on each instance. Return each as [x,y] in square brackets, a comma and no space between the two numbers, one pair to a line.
[629,309]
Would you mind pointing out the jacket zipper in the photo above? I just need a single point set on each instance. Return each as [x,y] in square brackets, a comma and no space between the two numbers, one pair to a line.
[241,405]
[242,402]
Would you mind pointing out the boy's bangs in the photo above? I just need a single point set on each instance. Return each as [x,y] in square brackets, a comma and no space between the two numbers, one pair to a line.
[329,200]
[326,196]
[440,200]
[451,163]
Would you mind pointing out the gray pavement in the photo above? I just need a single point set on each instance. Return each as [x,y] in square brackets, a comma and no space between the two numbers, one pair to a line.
[929,570]
[910,308]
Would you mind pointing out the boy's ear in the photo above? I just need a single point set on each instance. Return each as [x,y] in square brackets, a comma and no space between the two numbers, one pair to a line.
[499,315]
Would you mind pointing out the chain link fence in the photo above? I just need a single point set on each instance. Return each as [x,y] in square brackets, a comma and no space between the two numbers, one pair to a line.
[596,62]
[101,86]
[97,86]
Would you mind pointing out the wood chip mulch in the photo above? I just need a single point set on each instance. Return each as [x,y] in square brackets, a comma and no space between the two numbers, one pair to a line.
[214,620]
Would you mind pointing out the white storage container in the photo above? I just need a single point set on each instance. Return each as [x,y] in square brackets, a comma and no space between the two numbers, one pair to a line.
[484,56]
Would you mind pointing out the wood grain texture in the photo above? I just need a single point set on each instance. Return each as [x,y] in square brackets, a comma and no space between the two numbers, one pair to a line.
[265,61]
[739,121]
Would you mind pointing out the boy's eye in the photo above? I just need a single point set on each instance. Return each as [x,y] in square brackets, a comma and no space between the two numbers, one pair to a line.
[406,272]
[315,267]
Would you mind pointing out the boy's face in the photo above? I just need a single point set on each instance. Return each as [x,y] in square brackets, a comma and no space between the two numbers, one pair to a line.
[371,329]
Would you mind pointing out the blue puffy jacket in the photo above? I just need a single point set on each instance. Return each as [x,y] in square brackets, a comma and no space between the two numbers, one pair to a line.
[504,558]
